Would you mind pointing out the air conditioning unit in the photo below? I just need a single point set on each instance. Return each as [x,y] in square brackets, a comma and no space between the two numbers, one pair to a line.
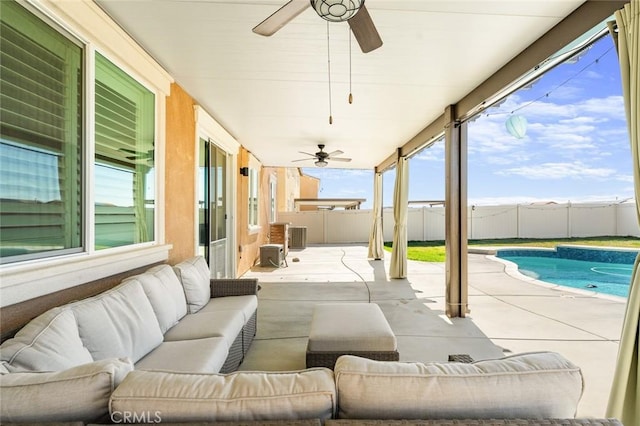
[271,255]
[297,237]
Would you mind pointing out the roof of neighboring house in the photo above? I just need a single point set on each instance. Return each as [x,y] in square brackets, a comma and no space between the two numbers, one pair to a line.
[330,203]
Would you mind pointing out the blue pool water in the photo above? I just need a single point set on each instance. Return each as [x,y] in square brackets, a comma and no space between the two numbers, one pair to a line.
[603,271]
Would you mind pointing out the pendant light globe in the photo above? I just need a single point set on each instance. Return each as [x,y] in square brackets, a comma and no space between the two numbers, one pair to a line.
[336,10]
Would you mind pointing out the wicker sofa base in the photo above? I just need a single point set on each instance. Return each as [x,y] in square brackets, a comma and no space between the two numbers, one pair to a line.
[358,422]
[328,359]
[477,422]
[249,332]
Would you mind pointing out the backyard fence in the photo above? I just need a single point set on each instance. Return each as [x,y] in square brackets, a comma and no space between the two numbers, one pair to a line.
[484,222]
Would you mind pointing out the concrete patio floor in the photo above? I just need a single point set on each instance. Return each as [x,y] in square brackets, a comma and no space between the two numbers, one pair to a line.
[508,315]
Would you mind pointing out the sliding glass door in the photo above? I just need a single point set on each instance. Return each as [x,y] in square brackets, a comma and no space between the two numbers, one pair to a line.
[212,208]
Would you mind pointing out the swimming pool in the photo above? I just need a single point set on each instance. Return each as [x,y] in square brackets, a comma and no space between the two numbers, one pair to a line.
[596,269]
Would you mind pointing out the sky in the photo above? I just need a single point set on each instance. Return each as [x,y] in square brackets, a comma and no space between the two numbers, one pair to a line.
[576,146]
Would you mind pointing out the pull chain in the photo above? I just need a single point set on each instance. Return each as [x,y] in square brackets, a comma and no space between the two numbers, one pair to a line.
[350,92]
[329,71]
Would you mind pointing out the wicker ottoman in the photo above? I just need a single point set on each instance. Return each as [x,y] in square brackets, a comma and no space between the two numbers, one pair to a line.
[349,329]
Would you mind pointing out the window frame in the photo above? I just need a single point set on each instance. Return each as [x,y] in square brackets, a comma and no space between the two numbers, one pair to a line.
[80,102]
[123,83]
[253,201]
[87,23]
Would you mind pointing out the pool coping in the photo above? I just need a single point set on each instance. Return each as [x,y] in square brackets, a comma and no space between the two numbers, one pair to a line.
[511,269]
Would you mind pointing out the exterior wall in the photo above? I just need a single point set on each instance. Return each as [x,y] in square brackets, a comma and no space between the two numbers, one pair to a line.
[288,188]
[292,184]
[282,194]
[484,222]
[180,161]
[250,240]
[309,188]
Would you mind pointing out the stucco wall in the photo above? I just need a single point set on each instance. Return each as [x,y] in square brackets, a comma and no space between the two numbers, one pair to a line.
[249,241]
[309,188]
[180,154]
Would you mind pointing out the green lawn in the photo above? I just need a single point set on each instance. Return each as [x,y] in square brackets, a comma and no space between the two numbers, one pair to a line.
[433,251]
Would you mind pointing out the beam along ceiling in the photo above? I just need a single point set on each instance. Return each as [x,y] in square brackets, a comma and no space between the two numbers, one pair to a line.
[272,93]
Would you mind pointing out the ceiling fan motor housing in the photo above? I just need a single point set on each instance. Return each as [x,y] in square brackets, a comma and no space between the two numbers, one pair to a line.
[321,155]
[337,10]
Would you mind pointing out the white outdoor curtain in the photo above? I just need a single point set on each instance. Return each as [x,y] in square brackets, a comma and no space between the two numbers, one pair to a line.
[624,400]
[398,266]
[376,249]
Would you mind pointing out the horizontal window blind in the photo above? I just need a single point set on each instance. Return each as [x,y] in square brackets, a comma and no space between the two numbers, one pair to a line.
[124,123]
[35,82]
[40,137]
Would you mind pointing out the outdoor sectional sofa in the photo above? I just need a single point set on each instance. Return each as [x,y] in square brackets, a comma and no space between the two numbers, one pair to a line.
[63,364]
[163,346]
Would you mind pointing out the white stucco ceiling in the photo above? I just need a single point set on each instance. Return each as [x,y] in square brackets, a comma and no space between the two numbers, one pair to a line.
[271,93]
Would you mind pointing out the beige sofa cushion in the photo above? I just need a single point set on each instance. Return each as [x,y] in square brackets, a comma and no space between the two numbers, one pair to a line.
[80,393]
[118,323]
[227,324]
[195,276]
[239,396]
[49,342]
[248,304]
[531,385]
[162,287]
[189,356]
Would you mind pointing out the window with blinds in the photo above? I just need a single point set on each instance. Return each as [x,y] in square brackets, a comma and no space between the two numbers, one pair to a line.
[124,158]
[40,137]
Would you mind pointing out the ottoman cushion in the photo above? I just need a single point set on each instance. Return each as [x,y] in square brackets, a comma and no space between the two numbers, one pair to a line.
[350,327]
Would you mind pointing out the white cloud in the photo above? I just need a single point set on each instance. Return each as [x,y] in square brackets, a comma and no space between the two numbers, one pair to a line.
[567,93]
[515,157]
[564,134]
[553,171]
[611,107]
[625,178]
[593,75]
[433,153]
[582,121]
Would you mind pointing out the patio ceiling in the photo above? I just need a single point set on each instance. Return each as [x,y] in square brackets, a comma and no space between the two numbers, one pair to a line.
[271,93]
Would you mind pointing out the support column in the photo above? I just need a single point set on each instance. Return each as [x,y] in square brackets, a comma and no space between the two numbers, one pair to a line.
[456,215]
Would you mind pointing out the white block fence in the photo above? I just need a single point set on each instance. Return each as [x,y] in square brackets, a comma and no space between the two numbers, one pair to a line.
[484,222]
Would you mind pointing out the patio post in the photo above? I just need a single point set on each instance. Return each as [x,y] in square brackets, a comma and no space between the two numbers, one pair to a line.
[624,400]
[376,249]
[455,214]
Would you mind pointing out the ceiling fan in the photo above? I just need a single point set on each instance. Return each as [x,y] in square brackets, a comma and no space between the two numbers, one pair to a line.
[321,156]
[352,11]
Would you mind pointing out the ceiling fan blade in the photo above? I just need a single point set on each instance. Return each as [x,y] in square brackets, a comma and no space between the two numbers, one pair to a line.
[302,159]
[306,153]
[281,17]
[336,152]
[339,159]
[365,31]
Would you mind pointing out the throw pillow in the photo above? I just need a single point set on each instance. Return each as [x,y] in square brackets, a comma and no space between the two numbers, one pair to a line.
[79,394]
[195,276]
